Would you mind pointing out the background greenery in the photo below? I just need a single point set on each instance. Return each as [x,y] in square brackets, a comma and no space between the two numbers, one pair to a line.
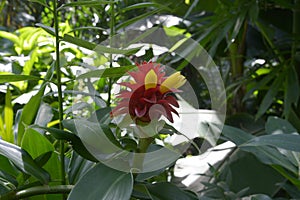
[255,44]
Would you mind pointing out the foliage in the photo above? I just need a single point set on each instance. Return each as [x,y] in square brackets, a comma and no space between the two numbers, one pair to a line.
[44,150]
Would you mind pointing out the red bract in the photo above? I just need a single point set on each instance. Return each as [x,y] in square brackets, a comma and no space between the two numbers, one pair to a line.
[150,94]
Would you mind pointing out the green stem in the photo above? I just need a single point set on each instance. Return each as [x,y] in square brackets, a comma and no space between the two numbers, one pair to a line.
[37,190]
[112,32]
[59,89]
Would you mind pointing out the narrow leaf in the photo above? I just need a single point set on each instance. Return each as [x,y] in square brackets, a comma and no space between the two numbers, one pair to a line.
[10,36]
[23,161]
[269,97]
[7,78]
[285,141]
[48,29]
[291,95]
[8,118]
[84,3]
[145,5]
[135,19]
[114,72]
[42,2]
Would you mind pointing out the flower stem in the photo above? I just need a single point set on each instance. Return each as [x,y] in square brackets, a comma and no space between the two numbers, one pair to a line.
[59,89]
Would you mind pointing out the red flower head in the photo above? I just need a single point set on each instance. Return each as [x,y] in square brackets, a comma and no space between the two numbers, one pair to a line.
[150,93]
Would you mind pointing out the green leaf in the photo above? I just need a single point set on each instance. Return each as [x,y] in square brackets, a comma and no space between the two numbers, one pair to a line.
[137,18]
[35,143]
[78,166]
[97,47]
[276,125]
[48,29]
[102,182]
[29,112]
[145,5]
[29,64]
[8,118]
[114,72]
[266,154]
[72,138]
[168,191]
[42,2]
[85,3]
[292,90]
[79,42]
[23,161]
[7,78]
[10,36]
[236,135]
[284,141]
[269,97]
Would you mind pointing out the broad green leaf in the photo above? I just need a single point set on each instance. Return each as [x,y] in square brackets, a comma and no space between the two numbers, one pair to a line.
[236,135]
[270,156]
[114,72]
[10,36]
[267,155]
[78,166]
[85,3]
[8,118]
[7,166]
[23,161]
[102,182]
[284,141]
[6,78]
[35,143]
[29,112]
[72,138]
[168,191]
[276,125]
[269,97]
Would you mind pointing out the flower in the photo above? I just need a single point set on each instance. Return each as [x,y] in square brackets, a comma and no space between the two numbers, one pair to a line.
[150,94]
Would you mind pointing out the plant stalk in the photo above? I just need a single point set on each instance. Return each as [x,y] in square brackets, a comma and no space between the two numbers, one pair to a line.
[59,89]
[37,190]
[112,32]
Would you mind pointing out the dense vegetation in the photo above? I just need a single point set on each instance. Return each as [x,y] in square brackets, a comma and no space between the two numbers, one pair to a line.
[59,65]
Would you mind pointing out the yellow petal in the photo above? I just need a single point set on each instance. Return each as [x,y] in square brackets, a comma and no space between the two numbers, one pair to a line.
[150,79]
[174,81]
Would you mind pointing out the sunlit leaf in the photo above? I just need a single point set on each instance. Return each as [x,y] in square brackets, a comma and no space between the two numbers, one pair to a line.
[8,118]
[7,78]
[35,143]
[29,112]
